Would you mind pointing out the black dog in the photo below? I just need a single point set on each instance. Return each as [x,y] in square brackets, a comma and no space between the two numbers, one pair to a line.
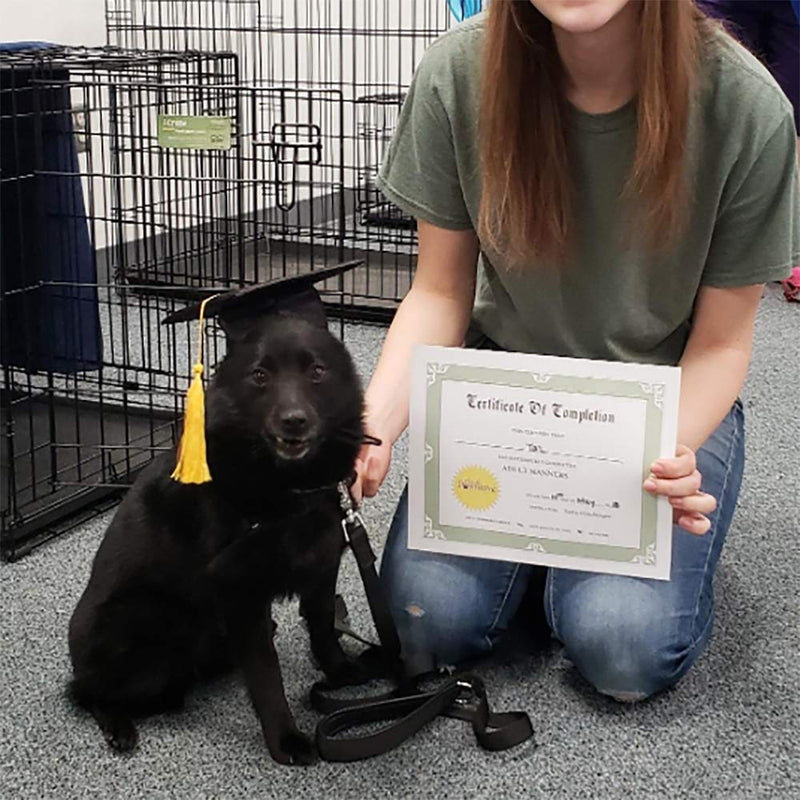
[182,583]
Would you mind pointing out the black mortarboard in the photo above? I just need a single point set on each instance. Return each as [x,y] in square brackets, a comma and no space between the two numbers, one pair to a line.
[288,294]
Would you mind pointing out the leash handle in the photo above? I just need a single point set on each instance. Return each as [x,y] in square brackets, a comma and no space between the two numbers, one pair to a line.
[413,712]
[462,697]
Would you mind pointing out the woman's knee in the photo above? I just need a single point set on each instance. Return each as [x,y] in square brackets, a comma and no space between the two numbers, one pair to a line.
[440,610]
[448,609]
[623,638]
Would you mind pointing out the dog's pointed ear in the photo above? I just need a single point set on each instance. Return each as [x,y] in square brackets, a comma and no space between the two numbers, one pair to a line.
[237,327]
[307,306]
[235,330]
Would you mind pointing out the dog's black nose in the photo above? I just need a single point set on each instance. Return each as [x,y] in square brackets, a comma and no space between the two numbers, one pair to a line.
[294,422]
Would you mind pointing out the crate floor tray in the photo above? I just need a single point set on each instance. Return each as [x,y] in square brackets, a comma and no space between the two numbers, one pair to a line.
[60,457]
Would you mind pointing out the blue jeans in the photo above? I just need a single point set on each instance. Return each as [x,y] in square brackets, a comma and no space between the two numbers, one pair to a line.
[629,637]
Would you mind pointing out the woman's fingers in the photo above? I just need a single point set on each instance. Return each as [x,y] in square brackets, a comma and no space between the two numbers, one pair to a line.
[356,488]
[678,479]
[674,487]
[376,468]
[699,503]
[683,463]
[691,512]
[693,523]
[371,467]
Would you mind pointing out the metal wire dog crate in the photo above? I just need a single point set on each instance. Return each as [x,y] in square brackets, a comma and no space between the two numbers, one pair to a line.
[107,222]
[344,67]
[110,215]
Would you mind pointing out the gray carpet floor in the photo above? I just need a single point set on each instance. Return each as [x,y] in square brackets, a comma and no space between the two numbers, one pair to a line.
[730,729]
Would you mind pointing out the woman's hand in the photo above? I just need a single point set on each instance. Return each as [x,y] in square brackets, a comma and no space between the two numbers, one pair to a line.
[678,479]
[372,465]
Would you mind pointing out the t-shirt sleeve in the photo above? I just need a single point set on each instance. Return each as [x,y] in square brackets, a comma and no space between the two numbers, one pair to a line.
[420,171]
[756,237]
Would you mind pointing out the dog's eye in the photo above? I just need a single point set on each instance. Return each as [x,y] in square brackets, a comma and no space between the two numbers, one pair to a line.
[259,376]
[316,372]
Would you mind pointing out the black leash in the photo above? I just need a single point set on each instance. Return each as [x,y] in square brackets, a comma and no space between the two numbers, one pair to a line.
[355,534]
[462,697]
[406,708]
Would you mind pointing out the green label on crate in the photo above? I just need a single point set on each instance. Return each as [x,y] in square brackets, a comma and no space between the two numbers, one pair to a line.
[194,133]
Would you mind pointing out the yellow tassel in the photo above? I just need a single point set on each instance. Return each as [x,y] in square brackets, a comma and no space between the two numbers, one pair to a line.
[192,466]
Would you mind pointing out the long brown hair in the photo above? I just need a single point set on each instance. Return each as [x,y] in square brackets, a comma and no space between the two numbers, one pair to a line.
[527,203]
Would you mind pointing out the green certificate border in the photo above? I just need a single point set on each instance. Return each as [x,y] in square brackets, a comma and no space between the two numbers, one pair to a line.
[651,393]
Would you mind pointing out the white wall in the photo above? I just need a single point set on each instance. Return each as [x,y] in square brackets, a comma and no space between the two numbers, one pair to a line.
[364,64]
[59,21]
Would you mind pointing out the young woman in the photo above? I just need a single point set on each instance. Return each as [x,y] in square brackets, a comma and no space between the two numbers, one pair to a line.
[609,179]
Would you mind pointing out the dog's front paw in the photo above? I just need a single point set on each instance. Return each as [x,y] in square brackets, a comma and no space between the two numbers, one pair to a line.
[294,749]
[347,672]
[122,737]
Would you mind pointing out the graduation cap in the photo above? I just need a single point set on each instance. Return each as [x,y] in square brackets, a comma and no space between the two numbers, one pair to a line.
[290,294]
[293,294]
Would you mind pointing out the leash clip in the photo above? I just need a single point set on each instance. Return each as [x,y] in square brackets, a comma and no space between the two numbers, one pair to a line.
[345,500]
[467,695]
[349,515]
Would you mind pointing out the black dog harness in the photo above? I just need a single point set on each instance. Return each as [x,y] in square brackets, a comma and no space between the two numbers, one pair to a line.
[407,708]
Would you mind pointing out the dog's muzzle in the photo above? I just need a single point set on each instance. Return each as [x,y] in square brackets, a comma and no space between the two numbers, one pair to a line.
[293,432]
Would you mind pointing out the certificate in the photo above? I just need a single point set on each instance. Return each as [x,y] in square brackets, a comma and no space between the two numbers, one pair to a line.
[540,459]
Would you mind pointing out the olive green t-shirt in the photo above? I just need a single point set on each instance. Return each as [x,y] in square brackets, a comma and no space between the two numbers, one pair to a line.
[612,300]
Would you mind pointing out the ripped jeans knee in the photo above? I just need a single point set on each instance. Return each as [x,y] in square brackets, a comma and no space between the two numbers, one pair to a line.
[433,639]
[448,609]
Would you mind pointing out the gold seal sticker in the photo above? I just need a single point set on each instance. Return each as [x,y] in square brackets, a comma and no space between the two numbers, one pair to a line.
[476,488]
